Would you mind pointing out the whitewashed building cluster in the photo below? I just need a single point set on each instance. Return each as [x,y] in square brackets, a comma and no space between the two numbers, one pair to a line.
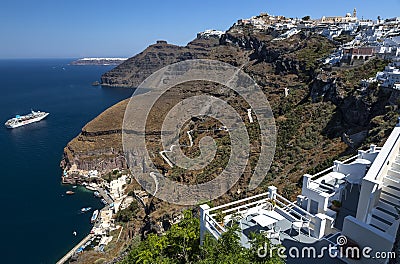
[353,204]
[390,77]
[210,33]
[370,38]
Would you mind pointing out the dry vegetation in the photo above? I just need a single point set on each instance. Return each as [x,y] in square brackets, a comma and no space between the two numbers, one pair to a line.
[309,132]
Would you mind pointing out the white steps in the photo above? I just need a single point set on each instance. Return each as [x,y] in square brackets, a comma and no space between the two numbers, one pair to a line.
[396,166]
[391,191]
[379,224]
[385,213]
[393,174]
[390,200]
[391,180]
[376,213]
[386,207]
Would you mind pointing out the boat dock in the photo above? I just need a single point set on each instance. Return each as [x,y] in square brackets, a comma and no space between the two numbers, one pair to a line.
[72,251]
[105,196]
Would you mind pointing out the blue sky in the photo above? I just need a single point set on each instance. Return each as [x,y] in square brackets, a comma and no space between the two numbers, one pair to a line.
[71,28]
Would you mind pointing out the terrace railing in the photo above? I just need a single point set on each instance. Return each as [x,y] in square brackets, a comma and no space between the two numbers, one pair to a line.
[290,210]
[329,169]
[216,228]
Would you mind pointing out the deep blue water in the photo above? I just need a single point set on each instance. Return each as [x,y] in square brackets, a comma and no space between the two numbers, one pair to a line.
[37,218]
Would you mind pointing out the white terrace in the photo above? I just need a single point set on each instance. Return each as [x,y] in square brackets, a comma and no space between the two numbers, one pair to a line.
[358,198]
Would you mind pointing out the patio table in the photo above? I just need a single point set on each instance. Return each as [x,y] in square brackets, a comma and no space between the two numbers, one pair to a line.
[337,176]
[267,218]
[363,161]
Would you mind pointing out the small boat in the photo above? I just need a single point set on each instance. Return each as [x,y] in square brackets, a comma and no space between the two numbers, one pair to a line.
[74,187]
[74,233]
[69,192]
[90,188]
[96,194]
[94,216]
[104,201]
[86,209]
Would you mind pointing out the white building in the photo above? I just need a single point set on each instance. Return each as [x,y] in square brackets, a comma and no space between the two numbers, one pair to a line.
[93,174]
[389,77]
[210,33]
[340,19]
[335,57]
[356,200]
[117,187]
[349,27]
[388,52]
[288,34]
[366,23]
[331,32]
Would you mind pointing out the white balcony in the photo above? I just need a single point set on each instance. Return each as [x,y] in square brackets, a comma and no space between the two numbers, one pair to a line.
[341,183]
[281,220]
[367,186]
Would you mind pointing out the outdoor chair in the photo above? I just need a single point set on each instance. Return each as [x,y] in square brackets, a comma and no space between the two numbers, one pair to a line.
[253,211]
[353,180]
[298,225]
[368,156]
[273,233]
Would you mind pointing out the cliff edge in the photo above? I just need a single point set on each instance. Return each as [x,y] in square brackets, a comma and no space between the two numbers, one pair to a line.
[99,145]
[321,113]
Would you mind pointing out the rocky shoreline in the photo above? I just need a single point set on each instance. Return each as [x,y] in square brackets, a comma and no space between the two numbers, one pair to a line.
[320,112]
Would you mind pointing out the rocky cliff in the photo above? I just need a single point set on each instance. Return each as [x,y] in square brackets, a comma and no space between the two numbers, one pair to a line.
[133,71]
[99,145]
[321,113]
[315,107]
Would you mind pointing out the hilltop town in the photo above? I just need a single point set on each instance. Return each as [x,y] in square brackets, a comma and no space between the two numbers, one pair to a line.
[359,39]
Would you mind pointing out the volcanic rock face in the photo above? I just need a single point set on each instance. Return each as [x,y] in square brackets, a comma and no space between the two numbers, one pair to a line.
[99,145]
[314,106]
[133,71]
[324,87]
[278,53]
[321,113]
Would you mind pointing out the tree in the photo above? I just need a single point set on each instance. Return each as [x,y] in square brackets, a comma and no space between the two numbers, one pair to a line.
[306,18]
[128,213]
[181,244]
[184,239]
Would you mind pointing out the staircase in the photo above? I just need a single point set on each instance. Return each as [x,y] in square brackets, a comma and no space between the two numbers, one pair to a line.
[385,213]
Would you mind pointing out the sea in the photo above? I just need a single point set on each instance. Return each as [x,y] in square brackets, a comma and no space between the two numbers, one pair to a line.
[37,218]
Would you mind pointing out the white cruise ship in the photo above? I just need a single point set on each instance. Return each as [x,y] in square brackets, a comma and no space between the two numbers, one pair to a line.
[18,120]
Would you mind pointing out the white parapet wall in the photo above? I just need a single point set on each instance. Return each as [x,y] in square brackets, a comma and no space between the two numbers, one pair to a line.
[314,195]
[372,182]
[367,237]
